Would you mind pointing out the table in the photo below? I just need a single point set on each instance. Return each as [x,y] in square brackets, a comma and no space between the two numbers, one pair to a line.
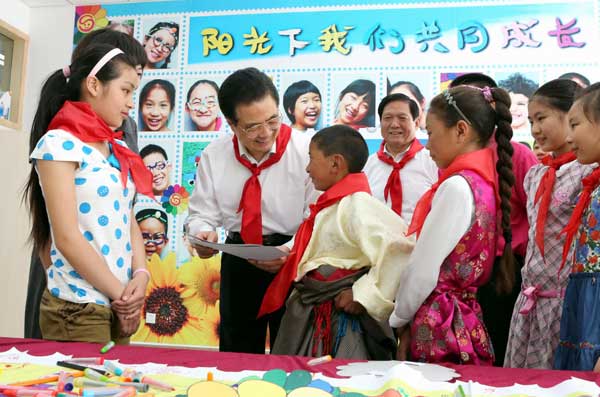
[238,361]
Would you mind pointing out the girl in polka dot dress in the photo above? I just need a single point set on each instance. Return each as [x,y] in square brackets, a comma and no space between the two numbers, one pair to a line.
[80,192]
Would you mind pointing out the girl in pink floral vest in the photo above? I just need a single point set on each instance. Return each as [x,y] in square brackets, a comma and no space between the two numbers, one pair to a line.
[436,314]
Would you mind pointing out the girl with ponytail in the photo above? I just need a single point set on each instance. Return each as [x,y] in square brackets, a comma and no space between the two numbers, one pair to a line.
[80,193]
[436,312]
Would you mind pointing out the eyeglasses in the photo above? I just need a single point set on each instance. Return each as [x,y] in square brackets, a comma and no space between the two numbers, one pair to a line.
[271,124]
[197,104]
[159,166]
[160,43]
[156,238]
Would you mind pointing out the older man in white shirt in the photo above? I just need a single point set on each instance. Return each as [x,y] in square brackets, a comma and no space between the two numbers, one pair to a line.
[254,185]
[402,170]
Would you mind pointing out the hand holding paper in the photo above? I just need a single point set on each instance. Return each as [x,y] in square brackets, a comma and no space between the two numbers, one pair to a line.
[203,251]
[247,251]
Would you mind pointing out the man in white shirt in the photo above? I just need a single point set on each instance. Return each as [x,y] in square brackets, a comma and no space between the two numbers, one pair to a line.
[402,170]
[255,186]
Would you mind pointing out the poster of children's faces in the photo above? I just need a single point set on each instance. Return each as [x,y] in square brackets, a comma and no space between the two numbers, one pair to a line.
[331,64]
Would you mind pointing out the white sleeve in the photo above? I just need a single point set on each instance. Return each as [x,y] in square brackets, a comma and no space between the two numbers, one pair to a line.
[451,215]
[204,213]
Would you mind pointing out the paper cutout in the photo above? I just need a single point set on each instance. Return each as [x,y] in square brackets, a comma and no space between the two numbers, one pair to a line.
[431,372]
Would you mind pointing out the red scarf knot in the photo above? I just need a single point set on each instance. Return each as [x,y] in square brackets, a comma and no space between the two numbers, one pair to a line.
[394,184]
[480,162]
[80,120]
[544,194]
[250,202]
[590,183]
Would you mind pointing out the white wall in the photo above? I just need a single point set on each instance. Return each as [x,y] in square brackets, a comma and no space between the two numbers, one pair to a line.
[50,31]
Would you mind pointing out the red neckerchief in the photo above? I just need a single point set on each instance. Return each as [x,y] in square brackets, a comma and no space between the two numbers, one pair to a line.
[394,184]
[544,192]
[277,291]
[250,202]
[480,161]
[590,183]
[81,121]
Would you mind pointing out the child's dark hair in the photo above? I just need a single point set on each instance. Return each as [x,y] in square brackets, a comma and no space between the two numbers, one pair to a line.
[243,87]
[412,87]
[345,141]
[362,87]
[173,29]
[56,90]
[203,81]
[558,94]
[166,85]
[574,75]
[590,101]
[475,79]
[155,213]
[152,148]
[519,84]
[485,117]
[292,94]
[125,42]
[412,105]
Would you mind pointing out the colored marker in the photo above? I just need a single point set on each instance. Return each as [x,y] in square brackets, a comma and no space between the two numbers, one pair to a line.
[128,392]
[84,382]
[46,379]
[112,367]
[157,384]
[461,391]
[100,391]
[209,376]
[319,360]
[107,347]
[78,367]
[95,375]
[87,360]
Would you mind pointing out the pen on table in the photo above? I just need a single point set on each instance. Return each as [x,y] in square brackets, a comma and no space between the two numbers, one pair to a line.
[46,379]
[78,367]
[461,391]
[209,376]
[107,347]
[319,360]
[100,391]
[87,360]
[157,384]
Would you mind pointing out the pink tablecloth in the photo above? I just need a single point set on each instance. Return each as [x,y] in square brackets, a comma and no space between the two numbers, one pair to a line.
[238,362]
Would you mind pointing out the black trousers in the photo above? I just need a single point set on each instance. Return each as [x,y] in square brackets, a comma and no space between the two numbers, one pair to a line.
[35,289]
[243,287]
[497,311]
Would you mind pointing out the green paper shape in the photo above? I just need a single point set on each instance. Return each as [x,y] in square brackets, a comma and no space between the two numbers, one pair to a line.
[298,378]
[276,376]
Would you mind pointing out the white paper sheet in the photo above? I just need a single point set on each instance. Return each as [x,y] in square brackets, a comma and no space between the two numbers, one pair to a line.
[246,251]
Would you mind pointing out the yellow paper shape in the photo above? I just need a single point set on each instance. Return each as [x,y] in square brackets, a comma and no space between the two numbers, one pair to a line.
[254,388]
[212,389]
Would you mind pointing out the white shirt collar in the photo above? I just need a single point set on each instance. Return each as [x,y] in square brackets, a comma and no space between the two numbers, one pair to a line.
[397,157]
[244,152]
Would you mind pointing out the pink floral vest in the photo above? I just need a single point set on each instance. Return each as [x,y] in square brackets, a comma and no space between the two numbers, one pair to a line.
[448,327]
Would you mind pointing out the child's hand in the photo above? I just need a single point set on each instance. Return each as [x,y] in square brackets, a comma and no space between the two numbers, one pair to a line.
[132,298]
[345,301]
[403,335]
[597,366]
[128,326]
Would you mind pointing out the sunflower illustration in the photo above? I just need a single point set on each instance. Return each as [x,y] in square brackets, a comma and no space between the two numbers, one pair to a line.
[175,199]
[171,313]
[207,278]
[211,321]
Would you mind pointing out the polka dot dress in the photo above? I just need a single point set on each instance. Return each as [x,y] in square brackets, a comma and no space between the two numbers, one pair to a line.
[103,208]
